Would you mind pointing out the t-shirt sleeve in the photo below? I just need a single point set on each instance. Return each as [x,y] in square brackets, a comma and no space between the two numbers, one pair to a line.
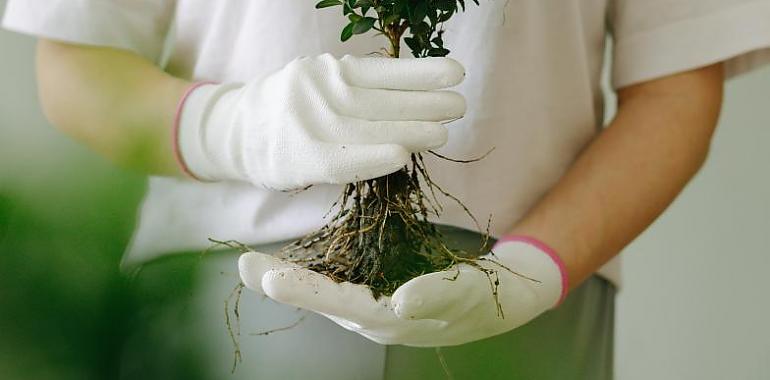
[655,38]
[140,26]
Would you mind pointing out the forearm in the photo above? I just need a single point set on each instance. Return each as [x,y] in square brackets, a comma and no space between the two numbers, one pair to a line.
[631,172]
[118,103]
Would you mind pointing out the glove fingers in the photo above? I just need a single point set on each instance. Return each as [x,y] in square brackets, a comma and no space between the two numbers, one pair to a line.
[393,105]
[313,291]
[414,136]
[402,74]
[442,295]
[422,332]
[253,266]
[351,163]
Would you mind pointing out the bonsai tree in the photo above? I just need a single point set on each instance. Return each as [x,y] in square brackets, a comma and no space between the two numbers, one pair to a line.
[380,235]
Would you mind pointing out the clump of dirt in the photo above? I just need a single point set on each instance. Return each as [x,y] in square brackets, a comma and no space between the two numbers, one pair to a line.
[380,235]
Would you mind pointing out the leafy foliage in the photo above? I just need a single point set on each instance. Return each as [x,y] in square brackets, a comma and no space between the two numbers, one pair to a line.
[423,19]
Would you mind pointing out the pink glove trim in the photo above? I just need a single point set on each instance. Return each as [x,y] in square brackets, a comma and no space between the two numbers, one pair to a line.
[175,129]
[549,251]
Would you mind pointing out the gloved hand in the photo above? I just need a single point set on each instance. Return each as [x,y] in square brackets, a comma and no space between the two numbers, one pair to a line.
[319,120]
[429,310]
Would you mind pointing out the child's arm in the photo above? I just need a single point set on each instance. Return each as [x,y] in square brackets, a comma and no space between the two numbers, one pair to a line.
[628,175]
[118,103]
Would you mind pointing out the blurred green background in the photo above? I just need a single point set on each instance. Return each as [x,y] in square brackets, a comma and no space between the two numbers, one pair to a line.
[693,304]
[65,218]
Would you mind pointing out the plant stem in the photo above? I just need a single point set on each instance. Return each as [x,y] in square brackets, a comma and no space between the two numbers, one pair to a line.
[395,42]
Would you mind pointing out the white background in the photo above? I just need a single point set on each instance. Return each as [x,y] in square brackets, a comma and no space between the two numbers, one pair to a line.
[695,302]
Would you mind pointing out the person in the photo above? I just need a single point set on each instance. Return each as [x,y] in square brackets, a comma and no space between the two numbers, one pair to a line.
[227,104]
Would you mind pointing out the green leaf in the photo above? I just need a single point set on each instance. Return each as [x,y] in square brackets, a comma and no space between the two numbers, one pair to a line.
[446,5]
[445,16]
[353,17]
[327,3]
[420,28]
[347,32]
[363,3]
[391,19]
[437,52]
[363,25]
[433,16]
[413,44]
[417,13]
[399,6]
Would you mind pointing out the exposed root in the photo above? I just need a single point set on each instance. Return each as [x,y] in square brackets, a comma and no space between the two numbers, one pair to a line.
[380,235]
[234,327]
[234,244]
[291,326]
[483,156]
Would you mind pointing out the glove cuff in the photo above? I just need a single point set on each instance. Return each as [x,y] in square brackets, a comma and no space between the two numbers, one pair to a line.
[545,248]
[175,140]
[202,136]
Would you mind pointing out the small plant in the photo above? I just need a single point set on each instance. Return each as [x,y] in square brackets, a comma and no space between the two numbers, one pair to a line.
[423,19]
[380,235]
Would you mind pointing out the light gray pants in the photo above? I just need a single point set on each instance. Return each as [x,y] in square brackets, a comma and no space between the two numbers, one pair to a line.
[179,331]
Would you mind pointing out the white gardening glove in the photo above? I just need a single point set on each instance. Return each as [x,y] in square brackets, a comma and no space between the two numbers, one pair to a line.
[436,309]
[319,120]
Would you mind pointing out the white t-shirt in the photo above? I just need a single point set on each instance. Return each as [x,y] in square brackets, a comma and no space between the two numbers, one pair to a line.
[532,87]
